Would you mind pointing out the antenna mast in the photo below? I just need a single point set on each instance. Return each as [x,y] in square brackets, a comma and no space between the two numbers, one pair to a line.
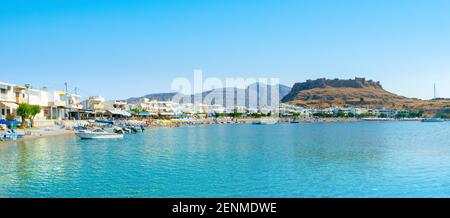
[434,90]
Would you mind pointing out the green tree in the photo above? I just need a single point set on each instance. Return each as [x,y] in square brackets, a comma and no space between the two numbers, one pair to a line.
[218,114]
[366,115]
[27,111]
[340,113]
[322,115]
[255,115]
[135,111]
[442,114]
[24,112]
[34,110]
[382,116]
[235,114]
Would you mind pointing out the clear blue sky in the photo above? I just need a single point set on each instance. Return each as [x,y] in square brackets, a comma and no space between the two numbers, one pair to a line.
[119,49]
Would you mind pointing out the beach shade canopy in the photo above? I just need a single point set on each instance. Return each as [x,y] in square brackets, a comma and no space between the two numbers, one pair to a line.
[105,121]
[126,113]
[16,123]
[147,114]
[89,112]
[3,121]
[119,112]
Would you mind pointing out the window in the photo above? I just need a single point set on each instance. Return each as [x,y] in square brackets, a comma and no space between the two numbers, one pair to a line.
[3,91]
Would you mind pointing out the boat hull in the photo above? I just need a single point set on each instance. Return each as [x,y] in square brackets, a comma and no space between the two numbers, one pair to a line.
[432,120]
[99,135]
[265,123]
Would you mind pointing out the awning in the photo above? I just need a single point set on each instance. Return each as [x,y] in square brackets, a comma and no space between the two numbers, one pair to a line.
[5,122]
[89,111]
[105,121]
[166,113]
[9,104]
[145,114]
[119,112]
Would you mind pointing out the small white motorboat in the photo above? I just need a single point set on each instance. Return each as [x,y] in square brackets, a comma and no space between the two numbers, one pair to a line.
[98,134]
[266,122]
[432,120]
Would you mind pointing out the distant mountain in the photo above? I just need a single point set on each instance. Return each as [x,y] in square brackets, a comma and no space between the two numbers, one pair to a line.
[254,95]
[156,96]
[358,92]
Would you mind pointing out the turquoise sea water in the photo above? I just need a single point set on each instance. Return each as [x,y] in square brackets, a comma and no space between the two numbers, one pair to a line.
[363,159]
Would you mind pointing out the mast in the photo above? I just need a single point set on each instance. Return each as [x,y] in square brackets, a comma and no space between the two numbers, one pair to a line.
[434,90]
[67,101]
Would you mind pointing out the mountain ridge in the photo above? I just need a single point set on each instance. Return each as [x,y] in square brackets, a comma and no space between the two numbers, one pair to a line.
[252,93]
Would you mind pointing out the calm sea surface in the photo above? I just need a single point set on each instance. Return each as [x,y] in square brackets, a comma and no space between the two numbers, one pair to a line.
[364,159]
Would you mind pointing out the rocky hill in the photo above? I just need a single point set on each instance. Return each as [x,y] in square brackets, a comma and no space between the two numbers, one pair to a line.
[357,92]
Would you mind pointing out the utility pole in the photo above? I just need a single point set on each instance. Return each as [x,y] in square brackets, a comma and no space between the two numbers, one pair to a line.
[28,92]
[67,101]
[435,91]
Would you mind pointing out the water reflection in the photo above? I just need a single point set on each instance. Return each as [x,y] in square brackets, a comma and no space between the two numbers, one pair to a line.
[404,159]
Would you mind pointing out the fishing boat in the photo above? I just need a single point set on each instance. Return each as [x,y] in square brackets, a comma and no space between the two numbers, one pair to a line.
[432,120]
[266,122]
[98,134]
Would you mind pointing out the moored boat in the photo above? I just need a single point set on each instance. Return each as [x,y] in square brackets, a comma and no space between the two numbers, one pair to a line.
[266,122]
[98,134]
[432,120]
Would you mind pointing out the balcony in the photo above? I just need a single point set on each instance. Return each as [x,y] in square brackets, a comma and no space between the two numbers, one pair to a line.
[98,107]
[6,97]
[96,99]
[57,104]
[75,106]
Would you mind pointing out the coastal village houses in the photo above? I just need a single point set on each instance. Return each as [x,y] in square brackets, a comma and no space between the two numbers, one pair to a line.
[55,105]
[59,105]
[10,96]
[117,109]
[95,106]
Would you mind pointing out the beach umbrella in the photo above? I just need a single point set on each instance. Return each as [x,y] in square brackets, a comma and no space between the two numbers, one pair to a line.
[15,122]
[3,121]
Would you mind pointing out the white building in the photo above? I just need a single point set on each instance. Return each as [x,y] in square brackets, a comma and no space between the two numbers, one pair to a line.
[95,105]
[252,110]
[150,106]
[41,98]
[165,109]
[116,108]
[387,112]
[217,108]
[240,109]
[186,109]
[56,105]
[8,99]
[74,106]
[116,104]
